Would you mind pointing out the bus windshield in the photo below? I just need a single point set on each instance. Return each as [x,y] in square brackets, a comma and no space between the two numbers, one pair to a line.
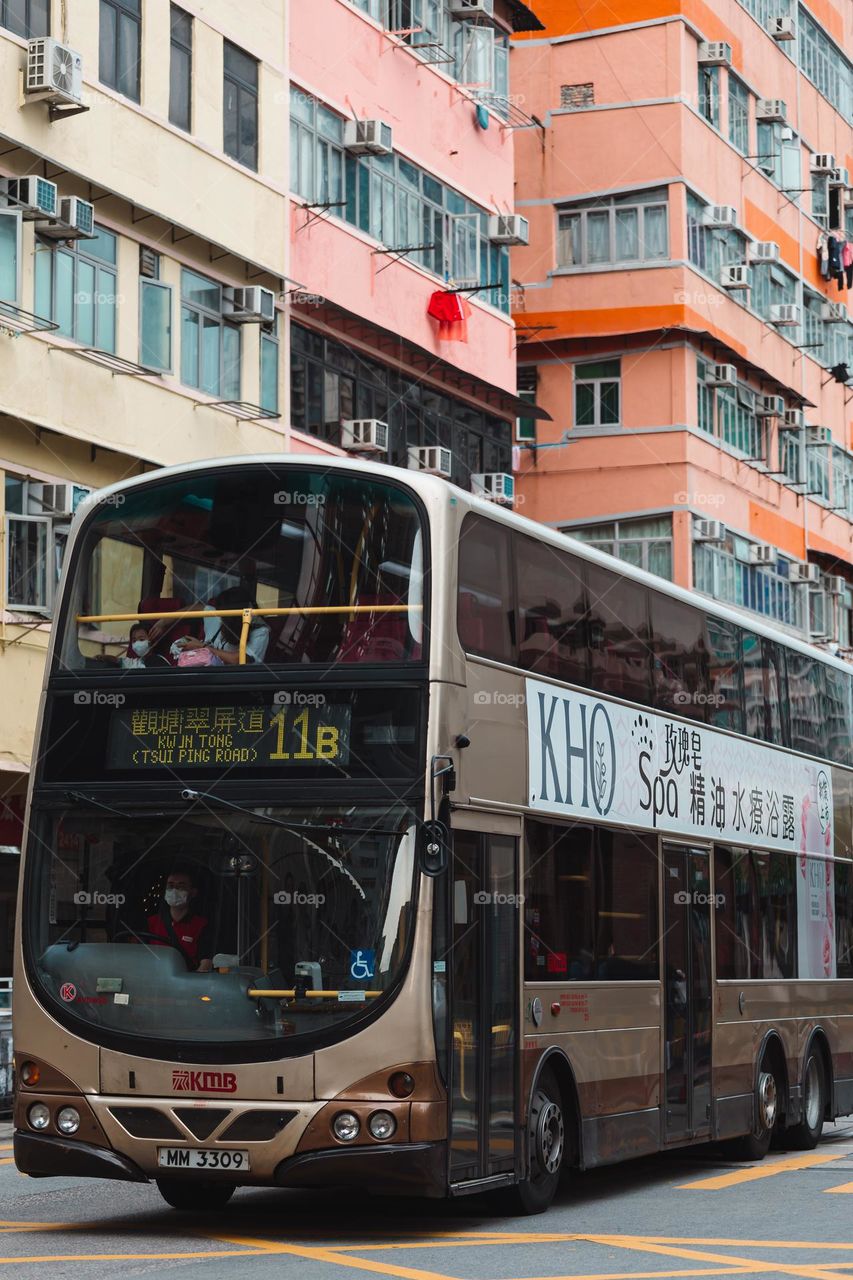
[220,925]
[247,566]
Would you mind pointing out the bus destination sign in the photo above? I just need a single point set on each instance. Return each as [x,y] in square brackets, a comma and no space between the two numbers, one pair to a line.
[294,733]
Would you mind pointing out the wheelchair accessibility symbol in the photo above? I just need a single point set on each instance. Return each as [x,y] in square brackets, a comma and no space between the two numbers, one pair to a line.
[362,965]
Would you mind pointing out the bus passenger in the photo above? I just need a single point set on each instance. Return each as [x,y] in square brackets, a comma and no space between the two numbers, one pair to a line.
[178,924]
[222,635]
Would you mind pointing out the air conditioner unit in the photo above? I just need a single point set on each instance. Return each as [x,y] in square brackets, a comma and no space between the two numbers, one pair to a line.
[764,251]
[793,420]
[736,276]
[368,138]
[804,572]
[715,53]
[719,215]
[770,406]
[771,110]
[818,437]
[833,312]
[839,178]
[782,28]
[784,313]
[59,500]
[835,584]
[508,228]
[723,375]
[54,72]
[74,221]
[709,531]
[35,197]
[497,486]
[822,162]
[250,304]
[364,435]
[432,459]
[762,553]
[472,8]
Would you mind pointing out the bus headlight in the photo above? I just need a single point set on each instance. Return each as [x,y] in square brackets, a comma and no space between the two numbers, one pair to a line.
[68,1120]
[346,1126]
[38,1116]
[382,1126]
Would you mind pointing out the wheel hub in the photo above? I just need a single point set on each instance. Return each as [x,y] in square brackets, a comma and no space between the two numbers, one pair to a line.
[812,1092]
[550,1137]
[767,1100]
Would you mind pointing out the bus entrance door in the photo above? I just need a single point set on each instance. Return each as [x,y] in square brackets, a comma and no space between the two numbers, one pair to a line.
[687,992]
[483,987]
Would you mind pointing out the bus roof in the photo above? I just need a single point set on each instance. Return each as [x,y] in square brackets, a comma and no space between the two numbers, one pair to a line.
[431,488]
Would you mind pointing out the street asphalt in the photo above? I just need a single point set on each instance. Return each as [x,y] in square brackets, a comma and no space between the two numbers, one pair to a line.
[677,1215]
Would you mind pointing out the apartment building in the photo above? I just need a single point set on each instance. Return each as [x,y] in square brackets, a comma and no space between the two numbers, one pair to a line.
[683,303]
[143,268]
[403,137]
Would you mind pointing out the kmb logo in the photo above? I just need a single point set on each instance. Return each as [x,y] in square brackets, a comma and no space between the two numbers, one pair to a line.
[204,1082]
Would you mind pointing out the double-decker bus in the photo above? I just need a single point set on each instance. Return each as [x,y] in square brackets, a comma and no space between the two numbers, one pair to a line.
[381,838]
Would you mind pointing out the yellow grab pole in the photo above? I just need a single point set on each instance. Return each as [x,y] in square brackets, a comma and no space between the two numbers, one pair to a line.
[244,635]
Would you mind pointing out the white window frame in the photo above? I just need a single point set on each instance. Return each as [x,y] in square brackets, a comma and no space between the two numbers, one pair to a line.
[16,214]
[596,384]
[612,206]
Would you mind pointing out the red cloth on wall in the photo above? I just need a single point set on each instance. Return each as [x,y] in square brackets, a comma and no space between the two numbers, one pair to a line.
[451,310]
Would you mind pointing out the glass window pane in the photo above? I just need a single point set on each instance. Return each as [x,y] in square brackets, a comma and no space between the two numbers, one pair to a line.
[189,347]
[210,356]
[44,282]
[584,405]
[680,659]
[155,342]
[609,392]
[248,130]
[627,234]
[179,88]
[619,635]
[230,363]
[64,316]
[269,374]
[128,57]
[103,245]
[737,921]
[655,232]
[28,561]
[107,44]
[570,251]
[485,608]
[726,705]
[626,906]
[552,611]
[105,311]
[598,237]
[9,224]
[230,119]
[199,291]
[84,304]
[559,904]
[242,66]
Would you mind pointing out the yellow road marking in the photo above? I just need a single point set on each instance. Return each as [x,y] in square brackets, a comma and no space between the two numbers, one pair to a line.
[5,1146]
[339,1259]
[752,1174]
[845,1188]
[7,1159]
[751,1266]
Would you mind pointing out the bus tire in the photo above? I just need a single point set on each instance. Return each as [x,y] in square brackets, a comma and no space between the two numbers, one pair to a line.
[755,1145]
[546,1151]
[806,1135]
[195,1197]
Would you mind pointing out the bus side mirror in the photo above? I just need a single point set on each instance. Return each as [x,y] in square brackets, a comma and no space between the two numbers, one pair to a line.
[434,851]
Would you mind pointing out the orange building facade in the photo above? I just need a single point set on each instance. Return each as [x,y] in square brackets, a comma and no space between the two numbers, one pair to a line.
[682,305]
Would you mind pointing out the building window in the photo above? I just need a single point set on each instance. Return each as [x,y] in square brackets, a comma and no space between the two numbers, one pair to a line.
[181,69]
[36,533]
[525,428]
[598,394]
[723,572]
[210,348]
[709,95]
[711,248]
[75,286]
[155,325]
[121,46]
[625,228]
[738,424]
[240,106]
[394,201]
[824,64]
[25,18]
[645,543]
[705,396]
[269,367]
[738,115]
[10,255]
[771,286]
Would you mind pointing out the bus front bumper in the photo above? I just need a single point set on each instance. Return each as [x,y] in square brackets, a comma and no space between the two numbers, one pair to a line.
[408,1169]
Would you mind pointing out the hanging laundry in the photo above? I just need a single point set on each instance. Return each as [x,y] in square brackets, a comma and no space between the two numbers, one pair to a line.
[823,255]
[452,311]
[836,270]
[847,262]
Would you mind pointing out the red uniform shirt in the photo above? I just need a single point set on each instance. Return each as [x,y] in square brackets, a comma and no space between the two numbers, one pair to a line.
[187,933]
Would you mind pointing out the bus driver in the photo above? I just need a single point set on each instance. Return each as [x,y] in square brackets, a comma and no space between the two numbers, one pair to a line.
[178,924]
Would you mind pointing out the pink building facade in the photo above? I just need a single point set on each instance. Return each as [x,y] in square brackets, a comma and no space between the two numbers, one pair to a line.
[682,305]
[402,153]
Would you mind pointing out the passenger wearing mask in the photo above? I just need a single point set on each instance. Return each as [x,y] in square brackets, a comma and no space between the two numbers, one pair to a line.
[179,925]
[139,647]
[222,635]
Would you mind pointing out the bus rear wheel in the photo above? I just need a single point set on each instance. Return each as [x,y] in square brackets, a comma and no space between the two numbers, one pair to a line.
[806,1135]
[195,1197]
[755,1145]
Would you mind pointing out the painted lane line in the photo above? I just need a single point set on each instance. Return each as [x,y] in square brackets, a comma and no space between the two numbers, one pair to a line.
[755,1172]
[339,1259]
[748,1266]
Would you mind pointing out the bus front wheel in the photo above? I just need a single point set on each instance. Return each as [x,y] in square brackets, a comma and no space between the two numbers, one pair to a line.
[194,1197]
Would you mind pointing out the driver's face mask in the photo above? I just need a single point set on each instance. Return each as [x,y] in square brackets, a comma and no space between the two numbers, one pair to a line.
[176,897]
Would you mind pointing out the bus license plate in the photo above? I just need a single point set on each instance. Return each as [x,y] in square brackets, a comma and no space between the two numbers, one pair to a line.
[182,1158]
